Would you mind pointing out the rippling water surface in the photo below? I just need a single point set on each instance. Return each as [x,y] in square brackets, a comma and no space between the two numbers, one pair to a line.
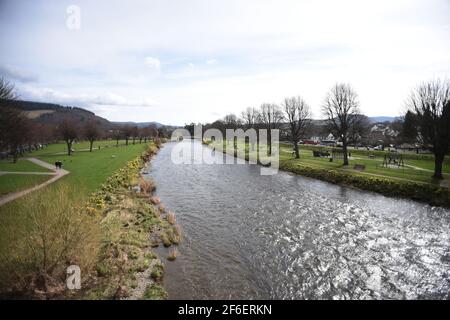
[291,237]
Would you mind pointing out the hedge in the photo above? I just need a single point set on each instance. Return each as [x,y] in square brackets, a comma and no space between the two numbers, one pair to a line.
[432,194]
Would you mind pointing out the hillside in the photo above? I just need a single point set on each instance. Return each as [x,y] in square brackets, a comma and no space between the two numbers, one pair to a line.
[50,113]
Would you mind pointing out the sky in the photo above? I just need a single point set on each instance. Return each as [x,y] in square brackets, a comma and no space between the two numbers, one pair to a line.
[182,61]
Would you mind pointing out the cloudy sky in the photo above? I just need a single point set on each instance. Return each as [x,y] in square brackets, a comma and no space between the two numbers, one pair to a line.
[181,61]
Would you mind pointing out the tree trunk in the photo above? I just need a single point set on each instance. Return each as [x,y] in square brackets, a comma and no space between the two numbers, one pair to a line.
[297,152]
[69,148]
[438,160]
[90,147]
[15,156]
[126,141]
[117,143]
[269,141]
[344,149]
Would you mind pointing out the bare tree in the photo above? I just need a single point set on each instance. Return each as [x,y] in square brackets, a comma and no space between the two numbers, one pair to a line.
[91,132]
[14,130]
[68,130]
[298,115]
[341,107]
[270,116]
[127,131]
[7,90]
[15,127]
[117,134]
[430,103]
[134,133]
[249,117]
[231,121]
[149,131]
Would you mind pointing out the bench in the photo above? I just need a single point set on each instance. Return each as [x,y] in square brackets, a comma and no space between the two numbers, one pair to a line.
[359,167]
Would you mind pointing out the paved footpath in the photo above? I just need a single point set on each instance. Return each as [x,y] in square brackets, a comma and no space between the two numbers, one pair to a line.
[58,174]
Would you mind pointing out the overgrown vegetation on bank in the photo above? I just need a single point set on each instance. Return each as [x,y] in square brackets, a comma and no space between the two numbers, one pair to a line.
[109,237]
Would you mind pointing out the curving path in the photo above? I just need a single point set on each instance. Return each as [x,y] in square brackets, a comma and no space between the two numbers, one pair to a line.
[58,174]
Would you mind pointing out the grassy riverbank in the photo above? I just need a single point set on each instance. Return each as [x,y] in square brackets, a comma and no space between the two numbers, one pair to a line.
[101,224]
[411,181]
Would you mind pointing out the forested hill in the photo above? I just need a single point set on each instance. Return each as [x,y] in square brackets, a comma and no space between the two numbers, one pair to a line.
[51,113]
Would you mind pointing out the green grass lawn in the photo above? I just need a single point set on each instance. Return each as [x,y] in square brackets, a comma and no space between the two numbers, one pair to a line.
[79,146]
[33,212]
[372,165]
[21,165]
[88,170]
[17,182]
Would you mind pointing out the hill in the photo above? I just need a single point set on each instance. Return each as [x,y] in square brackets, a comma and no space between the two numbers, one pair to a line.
[382,119]
[139,124]
[50,113]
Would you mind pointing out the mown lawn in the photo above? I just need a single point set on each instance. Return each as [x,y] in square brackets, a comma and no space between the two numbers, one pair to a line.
[22,165]
[17,182]
[79,146]
[373,165]
[88,170]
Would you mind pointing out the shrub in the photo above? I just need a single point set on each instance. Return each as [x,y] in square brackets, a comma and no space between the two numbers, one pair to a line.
[53,235]
[389,187]
[158,271]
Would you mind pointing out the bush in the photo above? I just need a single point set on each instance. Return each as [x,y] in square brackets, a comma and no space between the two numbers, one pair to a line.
[53,235]
[432,194]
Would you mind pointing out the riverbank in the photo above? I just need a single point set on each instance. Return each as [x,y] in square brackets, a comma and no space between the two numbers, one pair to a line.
[384,181]
[109,235]
[134,222]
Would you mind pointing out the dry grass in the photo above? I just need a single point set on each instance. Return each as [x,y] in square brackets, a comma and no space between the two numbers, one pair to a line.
[147,186]
[171,218]
[177,234]
[155,200]
[173,253]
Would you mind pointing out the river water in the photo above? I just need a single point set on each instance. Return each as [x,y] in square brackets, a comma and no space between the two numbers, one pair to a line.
[248,236]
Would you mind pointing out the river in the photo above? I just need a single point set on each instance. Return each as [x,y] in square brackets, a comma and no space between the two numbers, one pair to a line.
[248,236]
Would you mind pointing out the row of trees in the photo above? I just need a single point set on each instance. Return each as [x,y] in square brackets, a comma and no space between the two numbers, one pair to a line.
[18,133]
[427,121]
[293,115]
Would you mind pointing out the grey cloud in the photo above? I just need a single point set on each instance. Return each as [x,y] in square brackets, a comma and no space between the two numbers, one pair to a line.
[16,74]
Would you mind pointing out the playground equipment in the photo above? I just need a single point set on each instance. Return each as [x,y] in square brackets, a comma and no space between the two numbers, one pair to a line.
[393,159]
